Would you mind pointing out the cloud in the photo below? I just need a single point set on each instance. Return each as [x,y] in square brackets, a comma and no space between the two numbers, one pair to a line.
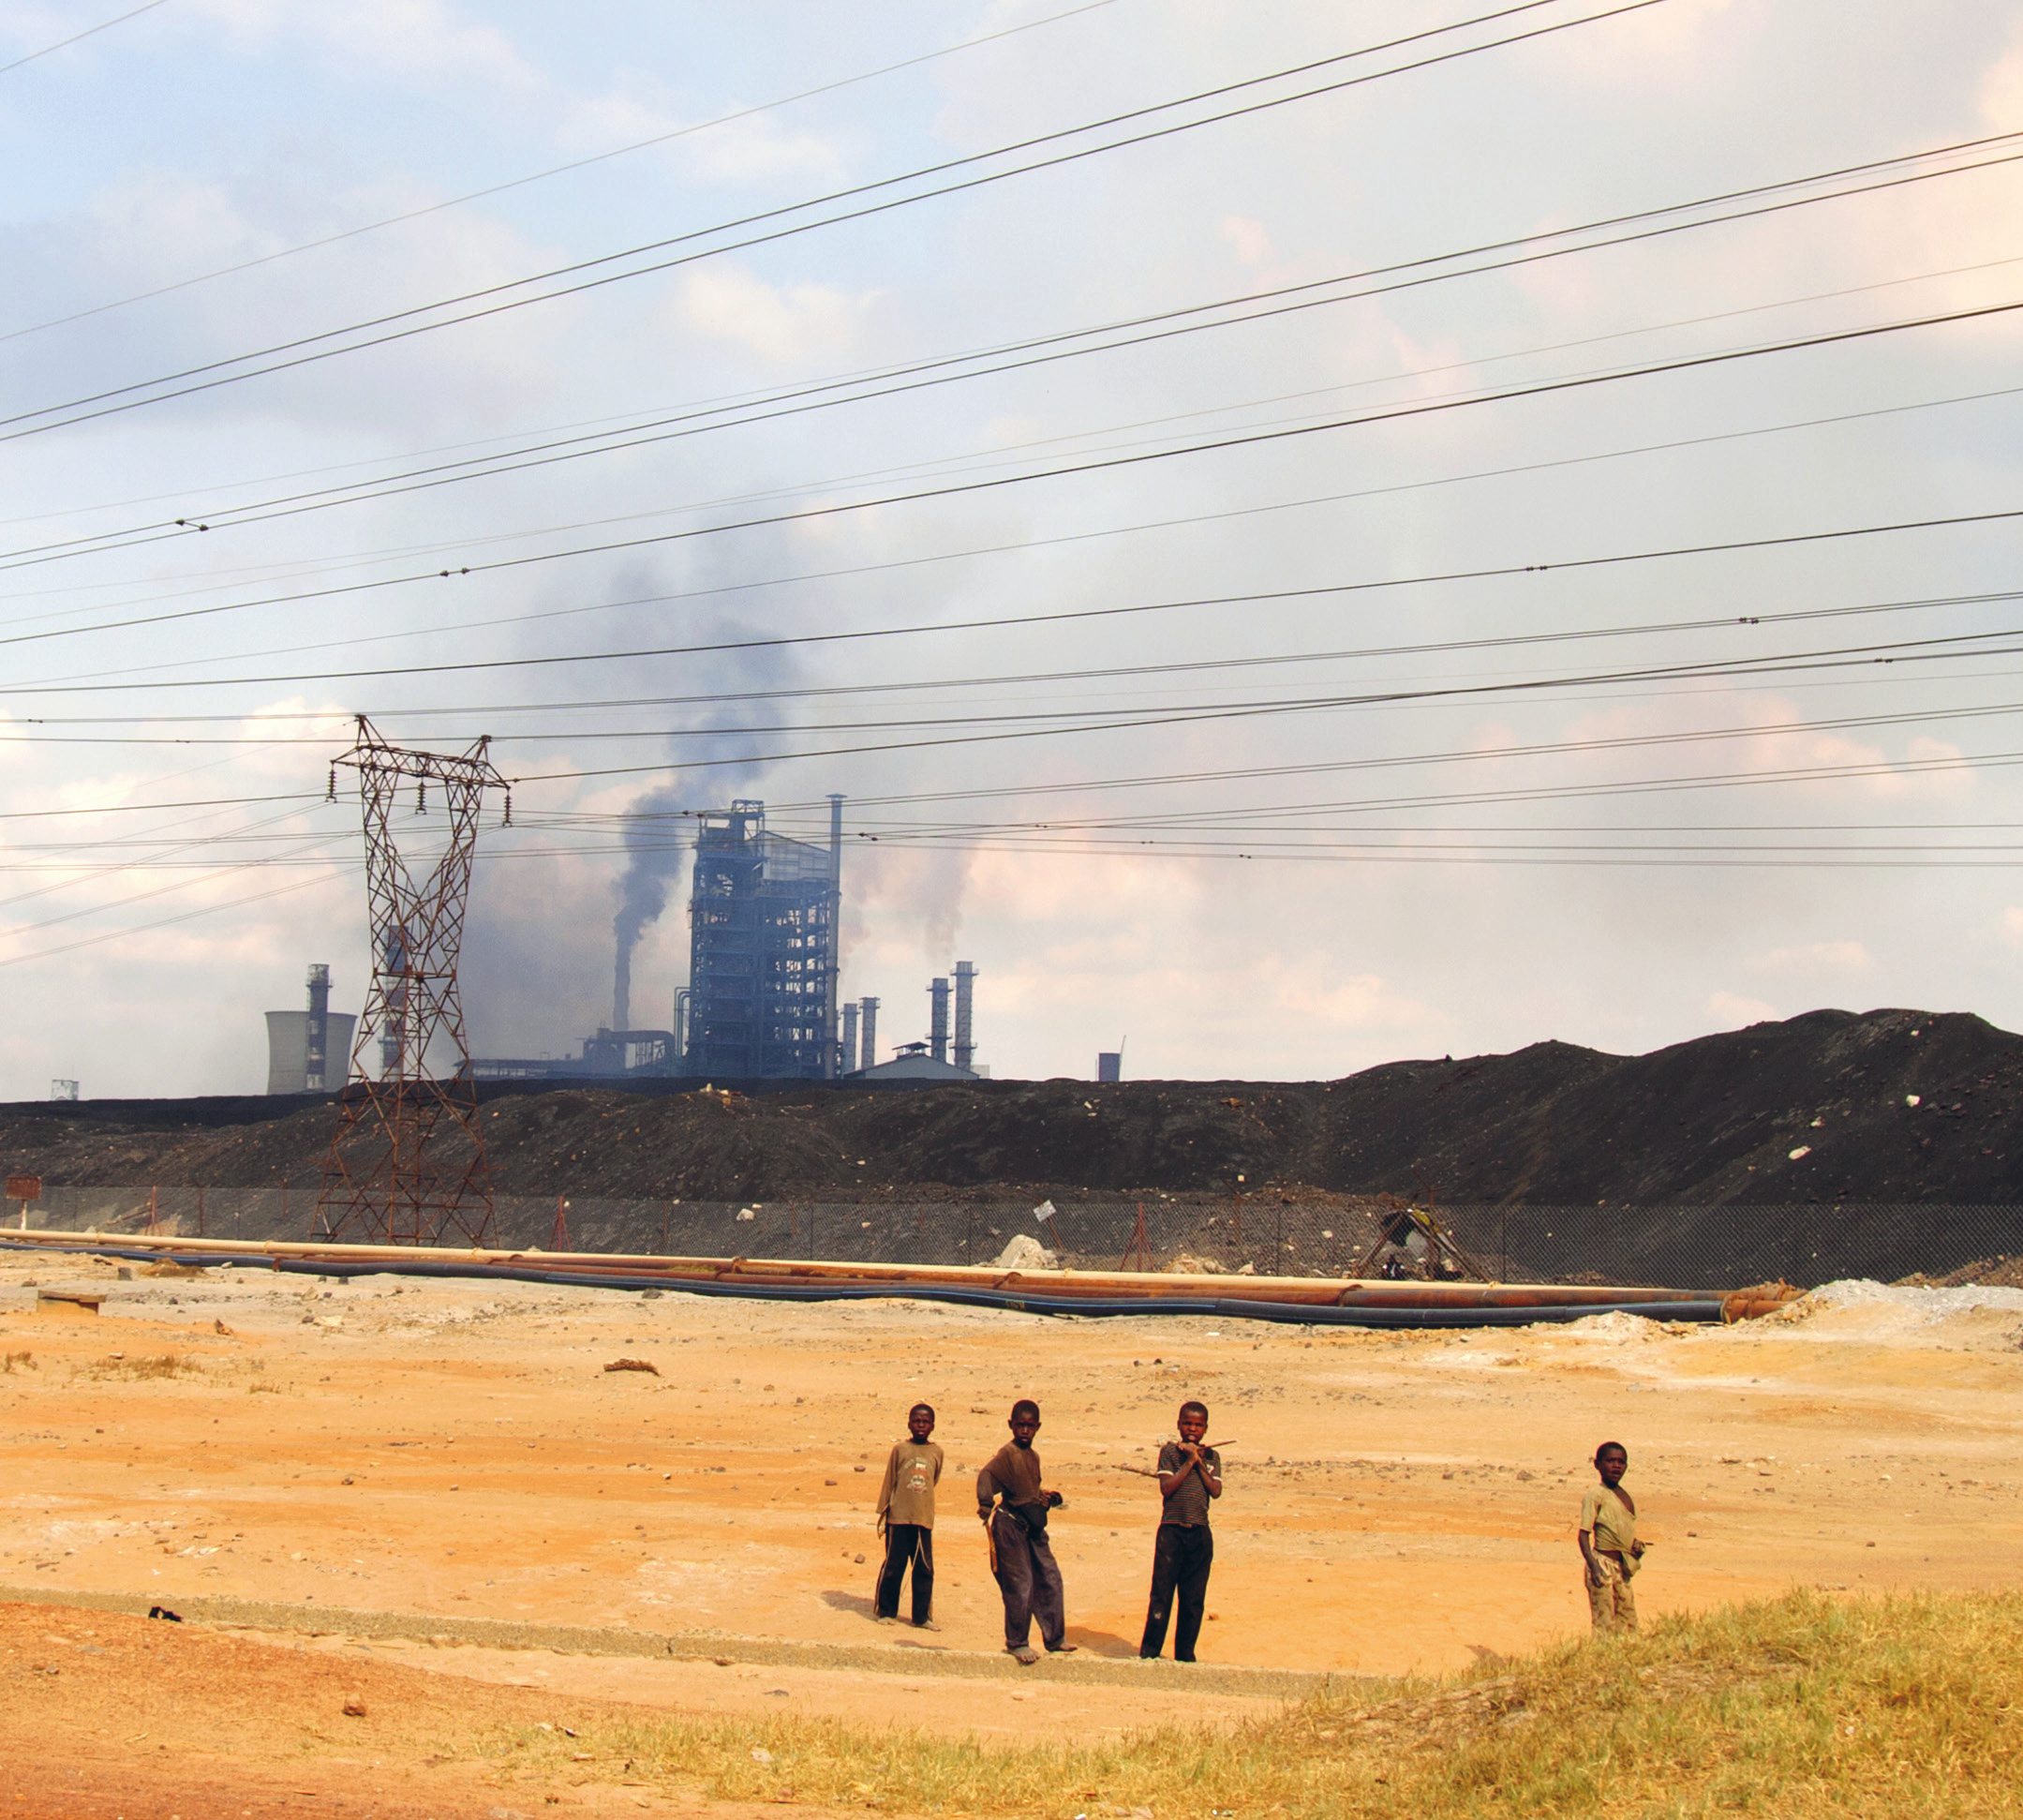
[1814,959]
[1731,1010]
[1253,245]
[421,39]
[784,324]
[2001,87]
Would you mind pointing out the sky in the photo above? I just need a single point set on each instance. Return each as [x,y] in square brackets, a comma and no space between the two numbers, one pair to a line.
[1306,534]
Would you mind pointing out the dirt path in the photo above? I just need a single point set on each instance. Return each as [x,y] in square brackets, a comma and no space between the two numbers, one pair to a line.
[1395,1502]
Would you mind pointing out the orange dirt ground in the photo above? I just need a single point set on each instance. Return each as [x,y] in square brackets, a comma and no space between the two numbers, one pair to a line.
[435,1452]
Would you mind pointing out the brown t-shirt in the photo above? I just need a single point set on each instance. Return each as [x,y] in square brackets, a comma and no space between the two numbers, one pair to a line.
[907,1494]
[1014,1470]
[1186,1504]
[1611,1523]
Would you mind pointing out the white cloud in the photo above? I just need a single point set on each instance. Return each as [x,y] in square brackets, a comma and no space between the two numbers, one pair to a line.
[1732,1010]
[1253,245]
[1815,960]
[414,38]
[2001,88]
[784,324]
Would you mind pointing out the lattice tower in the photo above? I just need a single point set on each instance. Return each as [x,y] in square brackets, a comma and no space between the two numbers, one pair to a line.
[407,1163]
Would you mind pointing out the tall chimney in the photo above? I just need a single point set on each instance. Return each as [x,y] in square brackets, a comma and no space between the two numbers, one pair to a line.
[621,996]
[869,1027]
[850,1040]
[315,1032]
[965,1050]
[938,1029]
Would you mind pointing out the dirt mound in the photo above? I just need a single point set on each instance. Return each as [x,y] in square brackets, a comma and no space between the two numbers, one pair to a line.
[1884,1106]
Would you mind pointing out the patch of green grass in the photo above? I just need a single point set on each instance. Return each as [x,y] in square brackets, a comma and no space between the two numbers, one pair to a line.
[1805,1705]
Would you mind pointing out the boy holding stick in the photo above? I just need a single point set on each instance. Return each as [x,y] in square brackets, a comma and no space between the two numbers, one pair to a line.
[1190,1475]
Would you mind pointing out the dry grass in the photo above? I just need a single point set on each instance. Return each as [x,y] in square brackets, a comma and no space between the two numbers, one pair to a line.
[15,1361]
[1805,1705]
[150,1364]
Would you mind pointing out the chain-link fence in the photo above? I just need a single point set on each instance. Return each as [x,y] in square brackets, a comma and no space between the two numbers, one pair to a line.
[1721,1248]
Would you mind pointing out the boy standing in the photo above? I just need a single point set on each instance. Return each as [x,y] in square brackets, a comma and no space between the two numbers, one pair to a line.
[1189,1475]
[1609,1542]
[906,1514]
[1021,1557]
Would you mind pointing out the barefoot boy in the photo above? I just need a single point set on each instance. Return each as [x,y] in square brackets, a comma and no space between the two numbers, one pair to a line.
[906,1514]
[1189,1475]
[1021,1557]
[1609,1542]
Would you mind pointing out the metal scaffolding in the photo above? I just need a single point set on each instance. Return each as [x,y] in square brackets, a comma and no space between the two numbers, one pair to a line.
[761,949]
[390,1174]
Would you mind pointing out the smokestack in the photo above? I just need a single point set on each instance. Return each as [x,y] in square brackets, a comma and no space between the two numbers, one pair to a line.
[832,974]
[870,1028]
[315,1032]
[621,994]
[938,1029]
[965,1051]
[850,1040]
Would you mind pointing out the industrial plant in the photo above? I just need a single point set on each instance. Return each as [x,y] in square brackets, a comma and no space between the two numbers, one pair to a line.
[308,1052]
[764,975]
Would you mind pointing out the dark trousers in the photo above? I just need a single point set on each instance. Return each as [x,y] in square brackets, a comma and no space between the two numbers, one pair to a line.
[1181,1560]
[915,1543]
[1030,1579]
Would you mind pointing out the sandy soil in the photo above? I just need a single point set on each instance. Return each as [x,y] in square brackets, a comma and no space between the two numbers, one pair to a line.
[1396,1501]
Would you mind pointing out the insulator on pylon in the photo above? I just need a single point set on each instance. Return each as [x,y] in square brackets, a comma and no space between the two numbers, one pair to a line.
[421,796]
[507,822]
[333,797]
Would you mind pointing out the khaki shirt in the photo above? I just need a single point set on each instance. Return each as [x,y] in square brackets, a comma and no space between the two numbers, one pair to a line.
[1611,1523]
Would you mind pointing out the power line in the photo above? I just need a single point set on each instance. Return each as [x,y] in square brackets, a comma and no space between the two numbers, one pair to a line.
[907,377]
[78,409]
[1497,572]
[536,176]
[1022,545]
[78,38]
[720,697]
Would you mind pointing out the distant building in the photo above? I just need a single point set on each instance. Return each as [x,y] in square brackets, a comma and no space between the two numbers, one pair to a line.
[1109,1064]
[309,1052]
[914,1063]
[63,1089]
[761,949]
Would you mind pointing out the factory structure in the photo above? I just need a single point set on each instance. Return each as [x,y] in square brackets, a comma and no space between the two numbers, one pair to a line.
[308,1052]
[762,1002]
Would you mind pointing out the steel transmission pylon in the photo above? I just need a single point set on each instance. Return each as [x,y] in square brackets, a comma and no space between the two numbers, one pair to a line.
[407,1163]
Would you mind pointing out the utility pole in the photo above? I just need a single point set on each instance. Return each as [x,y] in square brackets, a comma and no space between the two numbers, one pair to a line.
[407,1162]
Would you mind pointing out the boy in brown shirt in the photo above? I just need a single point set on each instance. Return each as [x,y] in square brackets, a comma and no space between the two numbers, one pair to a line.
[1021,1557]
[906,1515]
[1609,1542]
[1189,1475]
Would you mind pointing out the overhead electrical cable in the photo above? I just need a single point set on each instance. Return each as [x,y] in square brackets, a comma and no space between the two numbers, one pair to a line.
[186,916]
[1038,720]
[1008,357]
[1494,572]
[535,176]
[1022,545]
[307,350]
[885,686]
[78,38]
